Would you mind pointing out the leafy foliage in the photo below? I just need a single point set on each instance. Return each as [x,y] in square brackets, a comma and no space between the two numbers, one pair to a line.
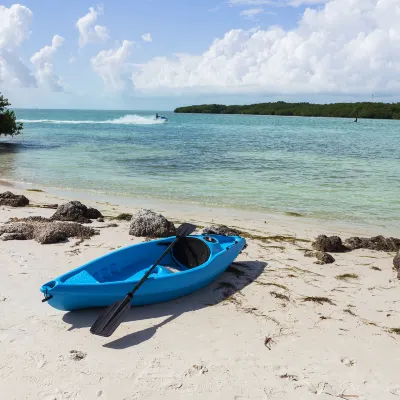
[341,110]
[8,124]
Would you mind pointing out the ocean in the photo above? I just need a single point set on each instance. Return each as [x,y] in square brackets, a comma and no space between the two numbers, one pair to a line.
[325,168]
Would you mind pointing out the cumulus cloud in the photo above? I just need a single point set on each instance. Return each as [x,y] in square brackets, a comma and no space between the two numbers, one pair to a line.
[88,31]
[43,62]
[251,12]
[14,30]
[147,37]
[344,47]
[112,66]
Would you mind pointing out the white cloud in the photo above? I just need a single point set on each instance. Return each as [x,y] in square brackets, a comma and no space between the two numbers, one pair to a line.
[147,37]
[88,32]
[14,26]
[43,62]
[72,59]
[112,66]
[345,47]
[278,3]
[251,12]
[14,30]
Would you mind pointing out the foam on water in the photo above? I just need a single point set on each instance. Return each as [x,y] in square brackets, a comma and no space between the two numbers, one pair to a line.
[129,119]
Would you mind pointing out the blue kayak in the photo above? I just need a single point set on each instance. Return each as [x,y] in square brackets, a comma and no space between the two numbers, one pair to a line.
[193,262]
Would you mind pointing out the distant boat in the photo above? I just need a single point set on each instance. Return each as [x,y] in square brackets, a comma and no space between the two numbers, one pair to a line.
[164,119]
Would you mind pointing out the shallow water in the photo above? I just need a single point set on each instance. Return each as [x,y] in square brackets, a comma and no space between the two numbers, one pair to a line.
[320,167]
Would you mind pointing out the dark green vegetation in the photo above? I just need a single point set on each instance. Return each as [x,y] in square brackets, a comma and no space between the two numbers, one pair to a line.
[123,217]
[8,124]
[341,110]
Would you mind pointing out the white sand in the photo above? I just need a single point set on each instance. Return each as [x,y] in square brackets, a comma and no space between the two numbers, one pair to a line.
[189,349]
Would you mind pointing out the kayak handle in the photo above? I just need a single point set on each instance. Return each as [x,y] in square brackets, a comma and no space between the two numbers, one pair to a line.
[47,298]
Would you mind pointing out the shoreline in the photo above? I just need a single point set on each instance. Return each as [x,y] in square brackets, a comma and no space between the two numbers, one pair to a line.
[175,210]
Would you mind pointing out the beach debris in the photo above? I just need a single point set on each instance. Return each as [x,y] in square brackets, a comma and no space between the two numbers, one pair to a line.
[111,225]
[279,296]
[148,223]
[395,391]
[101,219]
[271,284]
[77,355]
[378,243]
[219,230]
[323,258]
[319,300]
[124,217]
[394,330]
[396,264]
[75,211]
[196,370]
[52,206]
[350,311]
[13,200]
[291,377]
[376,268]
[268,342]
[345,277]
[329,244]
[44,231]
[347,362]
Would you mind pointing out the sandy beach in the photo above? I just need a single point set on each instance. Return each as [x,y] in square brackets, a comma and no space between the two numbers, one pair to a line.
[251,334]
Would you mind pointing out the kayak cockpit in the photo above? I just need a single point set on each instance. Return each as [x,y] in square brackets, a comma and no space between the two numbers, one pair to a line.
[132,264]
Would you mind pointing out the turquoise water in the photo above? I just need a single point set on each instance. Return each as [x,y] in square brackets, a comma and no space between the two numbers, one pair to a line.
[320,167]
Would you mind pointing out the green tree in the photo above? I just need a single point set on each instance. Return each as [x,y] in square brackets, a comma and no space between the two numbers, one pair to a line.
[8,123]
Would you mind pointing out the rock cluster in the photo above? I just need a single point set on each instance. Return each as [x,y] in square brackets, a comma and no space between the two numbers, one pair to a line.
[150,224]
[332,244]
[77,212]
[13,200]
[44,230]
[219,230]
[322,257]
[378,243]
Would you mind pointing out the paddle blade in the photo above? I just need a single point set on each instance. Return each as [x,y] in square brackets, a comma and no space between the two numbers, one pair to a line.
[185,229]
[109,321]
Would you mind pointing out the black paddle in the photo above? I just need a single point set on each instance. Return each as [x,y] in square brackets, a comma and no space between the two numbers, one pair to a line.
[108,322]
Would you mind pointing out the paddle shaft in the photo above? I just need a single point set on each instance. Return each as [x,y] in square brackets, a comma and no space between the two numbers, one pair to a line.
[145,276]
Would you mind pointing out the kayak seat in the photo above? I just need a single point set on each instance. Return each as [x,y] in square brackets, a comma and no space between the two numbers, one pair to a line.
[82,278]
[191,252]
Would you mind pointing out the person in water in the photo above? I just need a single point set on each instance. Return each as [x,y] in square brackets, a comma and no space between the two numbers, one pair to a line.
[157,116]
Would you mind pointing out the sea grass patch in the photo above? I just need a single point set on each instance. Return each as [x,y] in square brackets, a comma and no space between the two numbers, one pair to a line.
[345,277]
[319,300]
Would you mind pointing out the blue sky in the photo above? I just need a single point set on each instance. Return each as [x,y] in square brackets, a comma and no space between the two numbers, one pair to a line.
[268,50]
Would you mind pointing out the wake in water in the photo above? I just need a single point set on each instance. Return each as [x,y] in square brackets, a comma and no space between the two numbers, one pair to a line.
[130,119]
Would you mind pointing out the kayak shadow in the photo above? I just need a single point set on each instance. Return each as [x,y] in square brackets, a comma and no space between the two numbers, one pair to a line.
[234,279]
[135,338]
